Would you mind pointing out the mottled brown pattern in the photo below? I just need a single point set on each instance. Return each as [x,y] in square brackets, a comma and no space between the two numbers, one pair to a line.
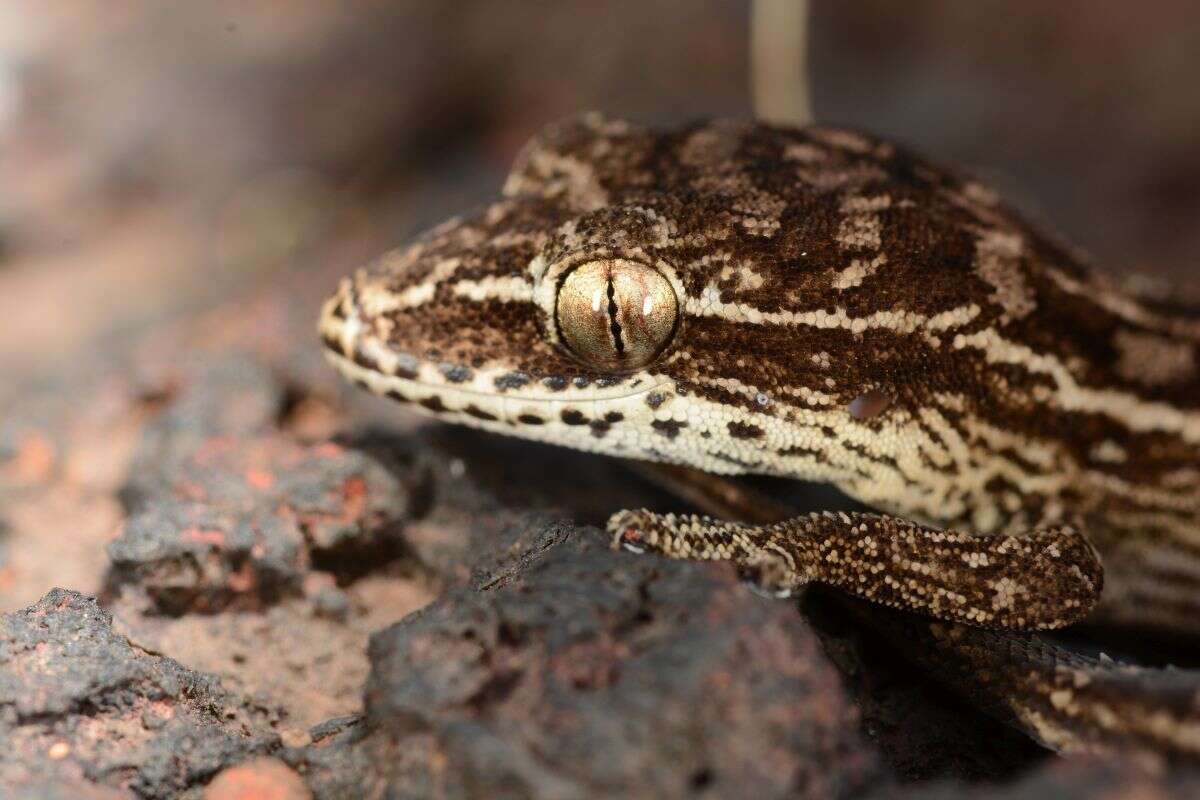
[845,312]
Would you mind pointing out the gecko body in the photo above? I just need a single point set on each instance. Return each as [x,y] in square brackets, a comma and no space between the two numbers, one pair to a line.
[821,305]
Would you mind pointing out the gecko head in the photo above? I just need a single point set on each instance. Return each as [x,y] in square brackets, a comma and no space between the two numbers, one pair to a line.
[523,319]
[729,296]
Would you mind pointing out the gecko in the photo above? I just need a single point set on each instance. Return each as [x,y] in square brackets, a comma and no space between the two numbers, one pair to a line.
[819,304]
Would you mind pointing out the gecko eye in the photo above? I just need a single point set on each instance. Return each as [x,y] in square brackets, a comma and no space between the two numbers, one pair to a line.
[615,314]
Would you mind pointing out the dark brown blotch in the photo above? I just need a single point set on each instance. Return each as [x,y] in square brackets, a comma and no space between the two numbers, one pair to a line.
[365,361]
[744,430]
[434,404]
[332,343]
[398,397]
[479,413]
[530,419]
[816,455]
[668,427]
[572,416]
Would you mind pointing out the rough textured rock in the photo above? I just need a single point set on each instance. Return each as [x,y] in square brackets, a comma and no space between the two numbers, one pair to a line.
[79,702]
[230,509]
[569,670]
[292,655]
[225,510]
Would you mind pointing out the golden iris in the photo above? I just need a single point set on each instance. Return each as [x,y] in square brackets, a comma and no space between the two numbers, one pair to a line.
[615,314]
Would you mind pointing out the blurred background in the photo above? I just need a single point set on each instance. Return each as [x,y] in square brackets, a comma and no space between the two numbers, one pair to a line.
[158,157]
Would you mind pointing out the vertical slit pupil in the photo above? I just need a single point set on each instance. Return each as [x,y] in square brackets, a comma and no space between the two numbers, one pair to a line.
[612,319]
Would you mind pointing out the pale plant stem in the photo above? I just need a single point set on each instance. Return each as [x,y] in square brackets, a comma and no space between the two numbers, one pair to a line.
[779,61]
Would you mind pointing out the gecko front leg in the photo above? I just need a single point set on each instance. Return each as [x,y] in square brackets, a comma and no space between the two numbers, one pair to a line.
[1046,579]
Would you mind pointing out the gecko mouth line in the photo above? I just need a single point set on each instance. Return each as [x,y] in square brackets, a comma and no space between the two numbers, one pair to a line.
[353,369]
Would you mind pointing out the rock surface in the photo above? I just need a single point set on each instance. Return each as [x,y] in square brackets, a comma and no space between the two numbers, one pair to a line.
[227,511]
[569,670]
[80,702]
